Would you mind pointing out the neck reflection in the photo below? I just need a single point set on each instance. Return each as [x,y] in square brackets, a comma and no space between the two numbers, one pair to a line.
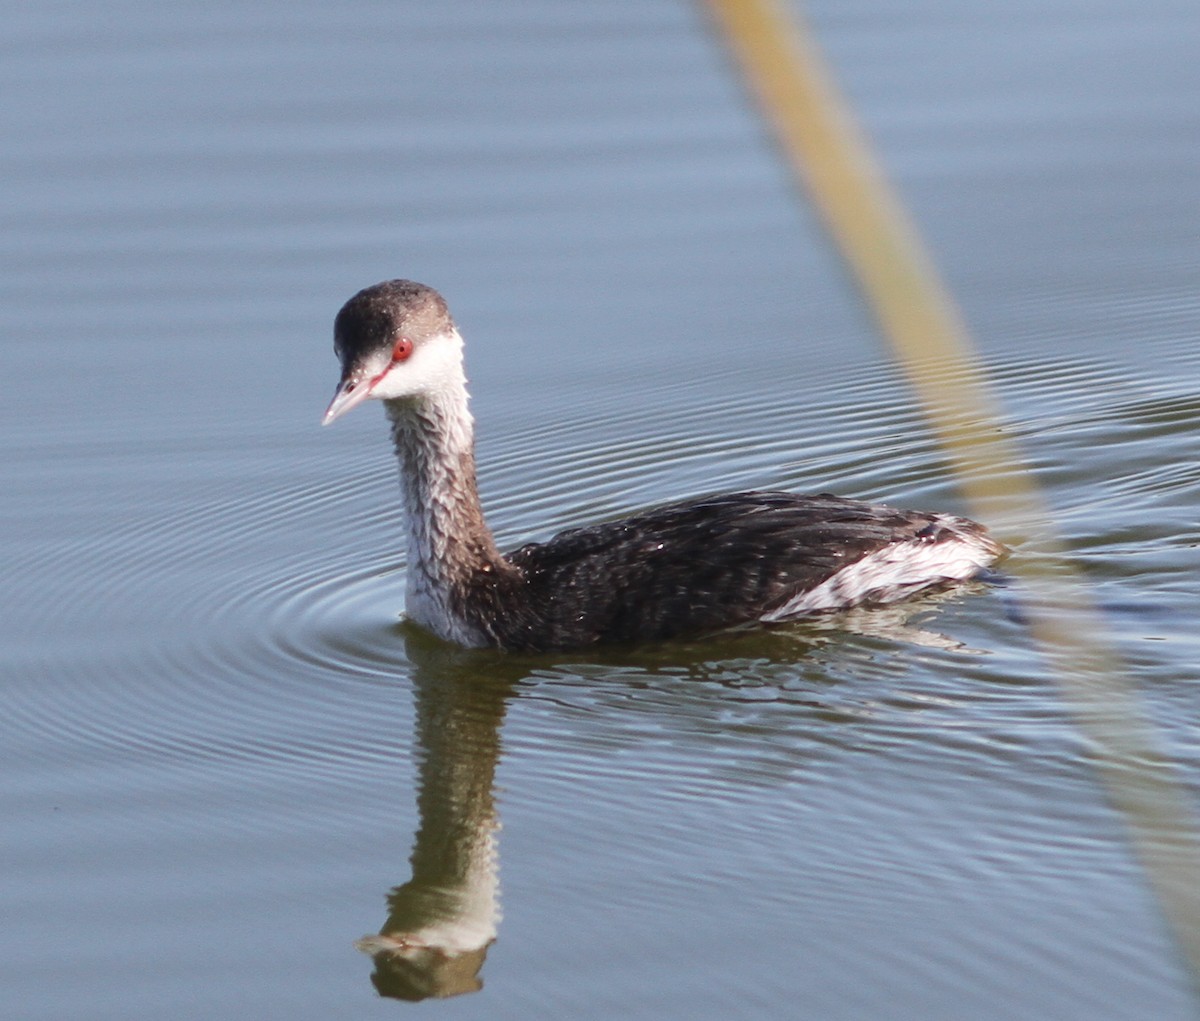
[442,921]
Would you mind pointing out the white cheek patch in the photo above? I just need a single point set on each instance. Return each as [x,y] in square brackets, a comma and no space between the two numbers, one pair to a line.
[435,367]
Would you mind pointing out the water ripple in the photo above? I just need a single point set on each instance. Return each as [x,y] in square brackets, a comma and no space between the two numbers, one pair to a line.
[252,634]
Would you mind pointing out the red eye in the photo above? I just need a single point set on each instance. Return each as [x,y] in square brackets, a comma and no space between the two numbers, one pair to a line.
[403,348]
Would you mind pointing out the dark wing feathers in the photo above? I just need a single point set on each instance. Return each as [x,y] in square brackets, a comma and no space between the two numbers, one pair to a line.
[691,567]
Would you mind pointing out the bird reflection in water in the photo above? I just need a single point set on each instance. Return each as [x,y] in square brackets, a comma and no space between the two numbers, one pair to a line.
[442,921]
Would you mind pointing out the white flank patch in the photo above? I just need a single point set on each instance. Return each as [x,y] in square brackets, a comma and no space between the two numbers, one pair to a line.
[891,573]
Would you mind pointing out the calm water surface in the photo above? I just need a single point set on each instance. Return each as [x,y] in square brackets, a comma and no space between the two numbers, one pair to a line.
[226,760]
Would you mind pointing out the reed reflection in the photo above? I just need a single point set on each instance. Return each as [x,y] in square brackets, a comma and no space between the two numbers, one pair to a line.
[441,922]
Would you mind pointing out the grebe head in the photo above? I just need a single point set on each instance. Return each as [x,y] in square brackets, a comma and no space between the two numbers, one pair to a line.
[395,340]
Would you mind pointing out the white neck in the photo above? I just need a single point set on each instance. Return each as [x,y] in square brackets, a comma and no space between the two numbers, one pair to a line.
[449,543]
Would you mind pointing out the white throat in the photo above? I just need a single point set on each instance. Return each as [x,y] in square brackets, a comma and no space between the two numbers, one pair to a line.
[448,541]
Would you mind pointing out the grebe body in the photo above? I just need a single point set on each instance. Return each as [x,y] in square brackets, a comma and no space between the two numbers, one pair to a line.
[682,569]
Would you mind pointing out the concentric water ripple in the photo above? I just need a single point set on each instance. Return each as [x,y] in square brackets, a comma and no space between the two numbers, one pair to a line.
[247,638]
[222,750]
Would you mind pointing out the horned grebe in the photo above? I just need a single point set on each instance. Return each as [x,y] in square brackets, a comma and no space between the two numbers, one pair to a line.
[685,568]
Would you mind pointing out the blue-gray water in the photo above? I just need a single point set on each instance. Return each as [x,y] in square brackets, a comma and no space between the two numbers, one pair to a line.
[214,732]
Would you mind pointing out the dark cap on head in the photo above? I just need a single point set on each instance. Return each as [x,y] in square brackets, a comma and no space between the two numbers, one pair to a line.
[377,315]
